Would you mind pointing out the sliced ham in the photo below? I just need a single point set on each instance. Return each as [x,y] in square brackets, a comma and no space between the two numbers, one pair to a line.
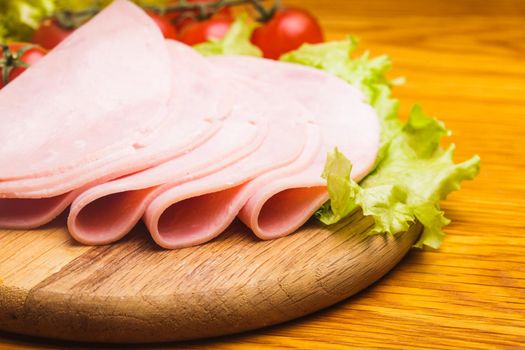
[27,214]
[145,107]
[107,212]
[281,204]
[198,211]
[53,114]
[188,124]
[126,126]
[255,138]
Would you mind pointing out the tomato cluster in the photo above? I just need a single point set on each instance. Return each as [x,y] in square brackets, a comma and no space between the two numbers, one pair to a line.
[285,29]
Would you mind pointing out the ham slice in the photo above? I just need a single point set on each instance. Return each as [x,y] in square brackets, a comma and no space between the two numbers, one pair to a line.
[32,213]
[70,126]
[281,204]
[139,131]
[185,127]
[107,212]
[197,211]
[52,115]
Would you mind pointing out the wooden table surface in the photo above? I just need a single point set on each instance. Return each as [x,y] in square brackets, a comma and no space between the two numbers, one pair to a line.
[464,61]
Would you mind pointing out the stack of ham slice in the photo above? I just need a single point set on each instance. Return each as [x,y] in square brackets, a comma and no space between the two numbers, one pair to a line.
[122,125]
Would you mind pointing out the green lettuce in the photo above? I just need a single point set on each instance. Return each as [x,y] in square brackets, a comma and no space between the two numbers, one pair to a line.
[19,18]
[235,42]
[407,185]
[413,173]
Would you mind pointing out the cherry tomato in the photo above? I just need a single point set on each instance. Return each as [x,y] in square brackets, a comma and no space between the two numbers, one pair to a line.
[50,34]
[15,58]
[166,27]
[199,32]
[287,30]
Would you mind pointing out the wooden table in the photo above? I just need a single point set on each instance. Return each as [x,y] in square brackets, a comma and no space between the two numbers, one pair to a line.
[465,63]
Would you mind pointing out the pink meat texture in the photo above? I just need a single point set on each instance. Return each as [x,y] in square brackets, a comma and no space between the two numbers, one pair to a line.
[278,202]
[122,125]
[198,211]
[234,155]
[283,202]
[98,107]
[105,213]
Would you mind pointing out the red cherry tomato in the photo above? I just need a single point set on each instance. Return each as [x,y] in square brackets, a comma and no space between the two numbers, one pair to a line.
[166,27]
[286,31]
[15,58]
[50,34]
[199,32]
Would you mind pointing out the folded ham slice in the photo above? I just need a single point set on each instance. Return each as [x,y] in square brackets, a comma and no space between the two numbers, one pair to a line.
[32,213]
[126,109]
[269,136]
[107,212]
[198,211]
[281,204]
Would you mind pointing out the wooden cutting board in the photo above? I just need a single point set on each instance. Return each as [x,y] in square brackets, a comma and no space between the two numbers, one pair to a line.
[134,291]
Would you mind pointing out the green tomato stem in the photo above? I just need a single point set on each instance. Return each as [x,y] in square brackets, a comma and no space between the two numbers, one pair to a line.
[11,60]
[74,19]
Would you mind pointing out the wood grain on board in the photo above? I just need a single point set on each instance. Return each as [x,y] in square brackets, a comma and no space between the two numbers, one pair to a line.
[464,61]
[134,291]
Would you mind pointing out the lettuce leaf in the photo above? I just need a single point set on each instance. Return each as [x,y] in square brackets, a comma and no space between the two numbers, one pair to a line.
[413,173]
[342,190]
[235,42]
[19,18]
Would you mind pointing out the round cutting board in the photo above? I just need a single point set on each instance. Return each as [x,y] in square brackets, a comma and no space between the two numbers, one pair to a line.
[133,291]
